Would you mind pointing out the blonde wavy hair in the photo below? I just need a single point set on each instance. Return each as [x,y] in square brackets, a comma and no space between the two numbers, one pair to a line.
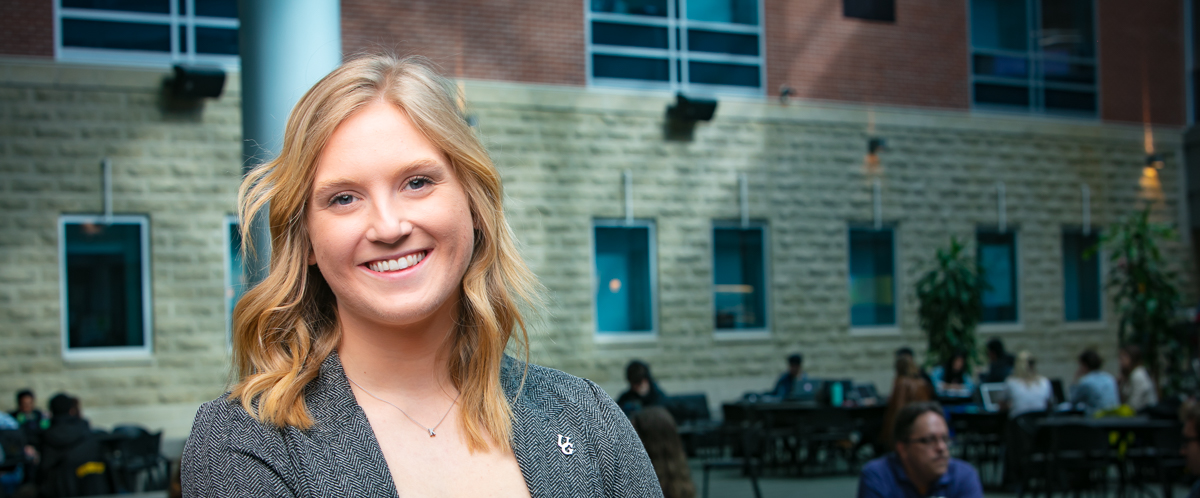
[1025,368]
[286,326]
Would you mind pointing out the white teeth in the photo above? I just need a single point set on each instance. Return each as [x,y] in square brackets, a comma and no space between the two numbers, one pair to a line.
[397,264]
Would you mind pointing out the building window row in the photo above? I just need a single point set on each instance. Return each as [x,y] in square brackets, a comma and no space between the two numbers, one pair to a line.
[149,32]
[626,300]
[1034,56]
[691,46]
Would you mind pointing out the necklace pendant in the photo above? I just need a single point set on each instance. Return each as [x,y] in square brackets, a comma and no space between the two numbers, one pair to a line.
[431,433]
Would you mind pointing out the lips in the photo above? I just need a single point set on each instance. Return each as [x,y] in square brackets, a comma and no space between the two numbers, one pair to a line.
[391,265]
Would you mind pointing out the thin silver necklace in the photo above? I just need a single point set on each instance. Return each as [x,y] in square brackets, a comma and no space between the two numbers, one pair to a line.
[427,429]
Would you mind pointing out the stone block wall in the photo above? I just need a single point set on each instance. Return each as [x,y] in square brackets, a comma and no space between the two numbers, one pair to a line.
[562,151]
[181,169]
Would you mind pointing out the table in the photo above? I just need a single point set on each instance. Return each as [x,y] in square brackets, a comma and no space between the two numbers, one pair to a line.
[791,428]
[1153,440]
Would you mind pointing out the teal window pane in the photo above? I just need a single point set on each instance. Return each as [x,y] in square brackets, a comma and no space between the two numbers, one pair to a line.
[1000,25]
[104,285]
[623,293]
[237,273]
[1081,277]
[739,278]
[996,253]
[872,278]
[731,11]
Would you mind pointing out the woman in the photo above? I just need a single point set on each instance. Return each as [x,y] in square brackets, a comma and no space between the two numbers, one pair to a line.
[908,387]
[371,361]
[951,378]
[1135,384]
[656,427]
[1026,391]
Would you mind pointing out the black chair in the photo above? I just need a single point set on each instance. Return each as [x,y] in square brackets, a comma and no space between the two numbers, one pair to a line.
[745,440]
[1154,458]
[136,461]
[1079,458]
[1026,453]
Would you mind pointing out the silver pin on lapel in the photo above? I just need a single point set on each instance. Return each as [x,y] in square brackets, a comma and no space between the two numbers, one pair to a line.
[565,444]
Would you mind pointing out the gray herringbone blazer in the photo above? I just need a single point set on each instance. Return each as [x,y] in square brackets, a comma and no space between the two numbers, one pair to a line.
[231,454]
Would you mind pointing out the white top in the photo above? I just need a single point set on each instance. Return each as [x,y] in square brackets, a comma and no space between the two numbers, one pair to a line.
[1138,390]
[1025,398]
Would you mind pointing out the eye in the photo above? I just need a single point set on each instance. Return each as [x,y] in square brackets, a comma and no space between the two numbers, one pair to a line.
[418,183]
[341,199]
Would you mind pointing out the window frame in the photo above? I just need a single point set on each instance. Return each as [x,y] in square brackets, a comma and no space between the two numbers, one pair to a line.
[1035,82]
[146,350]
[228,222]
[677,25]
[619,336]
[763,332]
[1017,325]
[893,329]
[147,58]
[1101,272]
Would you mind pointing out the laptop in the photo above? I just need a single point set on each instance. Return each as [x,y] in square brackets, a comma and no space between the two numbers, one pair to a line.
[993,394]
[805,390]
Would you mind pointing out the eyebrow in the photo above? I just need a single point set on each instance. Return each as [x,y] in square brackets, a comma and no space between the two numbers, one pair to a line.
[407,169]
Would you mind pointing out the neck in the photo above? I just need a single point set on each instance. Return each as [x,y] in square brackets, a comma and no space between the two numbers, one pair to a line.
[921,482]
[399,362]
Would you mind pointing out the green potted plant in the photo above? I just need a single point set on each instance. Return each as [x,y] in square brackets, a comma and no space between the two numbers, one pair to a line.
[1145,296]
[951,304]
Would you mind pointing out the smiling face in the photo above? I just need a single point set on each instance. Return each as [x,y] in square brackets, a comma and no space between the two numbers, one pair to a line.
[389,222]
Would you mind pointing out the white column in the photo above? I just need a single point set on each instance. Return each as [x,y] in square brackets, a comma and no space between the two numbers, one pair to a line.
[286,46]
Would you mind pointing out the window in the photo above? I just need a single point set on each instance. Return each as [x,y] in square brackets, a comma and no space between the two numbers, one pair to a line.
[997,257]
[872,277]
[148,32]
[691,46]
[873,10]
[1081,276]
[1034,55]
[105,284]
[235,274]
[625,277]
[739,276]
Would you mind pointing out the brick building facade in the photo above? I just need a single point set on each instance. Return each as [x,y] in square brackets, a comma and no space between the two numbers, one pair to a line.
[563,142]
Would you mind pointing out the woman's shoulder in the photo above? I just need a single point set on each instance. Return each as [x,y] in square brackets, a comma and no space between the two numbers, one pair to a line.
[224,423]
[548,386]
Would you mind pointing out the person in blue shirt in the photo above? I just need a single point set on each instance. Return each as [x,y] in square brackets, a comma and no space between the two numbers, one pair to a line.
[951,379]
[794,373]
[1094,389]
[921,465]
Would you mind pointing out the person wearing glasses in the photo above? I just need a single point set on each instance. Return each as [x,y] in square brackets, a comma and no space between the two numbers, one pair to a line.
[921,464]
[1190,416]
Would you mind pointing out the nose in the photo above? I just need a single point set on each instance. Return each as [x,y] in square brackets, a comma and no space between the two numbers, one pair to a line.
[388,222]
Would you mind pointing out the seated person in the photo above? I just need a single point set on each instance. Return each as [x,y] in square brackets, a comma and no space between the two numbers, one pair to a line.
[642,392]
[656,428]
[1136,386]
[921,464]
[32,420]
[951,379]
[70,453]
[905,351]
[1094,389]
[1000,363]
[908,387]
[787,381]
[1189,414]
[1025,391]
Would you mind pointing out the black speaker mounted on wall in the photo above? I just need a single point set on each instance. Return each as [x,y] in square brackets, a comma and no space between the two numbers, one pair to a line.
[196,82]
